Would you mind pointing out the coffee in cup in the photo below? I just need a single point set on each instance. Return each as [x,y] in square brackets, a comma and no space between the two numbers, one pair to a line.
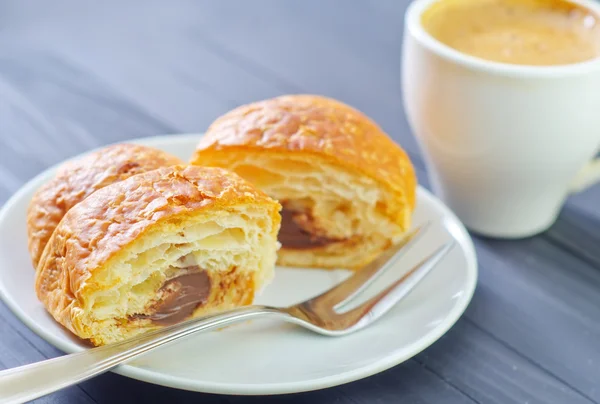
[524,32]
[503,97]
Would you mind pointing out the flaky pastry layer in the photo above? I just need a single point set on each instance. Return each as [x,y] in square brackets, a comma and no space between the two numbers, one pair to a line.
[77,179]
[113,266]
[347,185]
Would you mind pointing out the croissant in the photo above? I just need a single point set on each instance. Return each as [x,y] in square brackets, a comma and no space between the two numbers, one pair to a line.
[347,190]
[158,248]
[77,179]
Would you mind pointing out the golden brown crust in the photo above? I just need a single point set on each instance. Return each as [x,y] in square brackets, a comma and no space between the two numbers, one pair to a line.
[314,124]
[77,179]
[111,218]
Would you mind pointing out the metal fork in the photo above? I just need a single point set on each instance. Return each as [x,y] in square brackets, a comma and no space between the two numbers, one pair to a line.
[322,314]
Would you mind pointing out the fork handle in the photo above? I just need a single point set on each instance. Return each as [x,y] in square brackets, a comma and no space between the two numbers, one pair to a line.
[35,380]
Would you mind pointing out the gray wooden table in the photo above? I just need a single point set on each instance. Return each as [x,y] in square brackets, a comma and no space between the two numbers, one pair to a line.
[76,75]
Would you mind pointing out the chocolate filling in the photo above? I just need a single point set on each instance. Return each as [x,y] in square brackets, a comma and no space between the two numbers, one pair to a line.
[292,235]
[182,295]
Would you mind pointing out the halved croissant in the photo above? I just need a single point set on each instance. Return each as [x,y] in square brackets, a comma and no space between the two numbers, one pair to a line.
[347,190]
[77,179]
[158,248]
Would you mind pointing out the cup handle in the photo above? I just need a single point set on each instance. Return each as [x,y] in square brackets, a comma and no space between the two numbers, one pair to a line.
[587,176]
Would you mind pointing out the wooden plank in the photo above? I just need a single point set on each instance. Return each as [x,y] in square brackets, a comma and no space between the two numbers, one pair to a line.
[336,59]
[587,202]
[6,191]
[409,382]
[352,55]
[542,301]
[40,131]
[489,372]
[544,304]
[576,231]
[164,69]
[14,325]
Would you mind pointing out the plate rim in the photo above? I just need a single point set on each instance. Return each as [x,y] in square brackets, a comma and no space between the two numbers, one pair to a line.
[459,232]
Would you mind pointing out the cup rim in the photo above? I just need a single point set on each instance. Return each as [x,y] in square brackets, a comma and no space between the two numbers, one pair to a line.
[413,24]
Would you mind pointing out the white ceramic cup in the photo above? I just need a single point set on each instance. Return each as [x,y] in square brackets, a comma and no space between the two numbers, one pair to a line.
[504,144]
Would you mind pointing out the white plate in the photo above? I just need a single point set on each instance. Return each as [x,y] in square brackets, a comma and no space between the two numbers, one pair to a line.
[265,356]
